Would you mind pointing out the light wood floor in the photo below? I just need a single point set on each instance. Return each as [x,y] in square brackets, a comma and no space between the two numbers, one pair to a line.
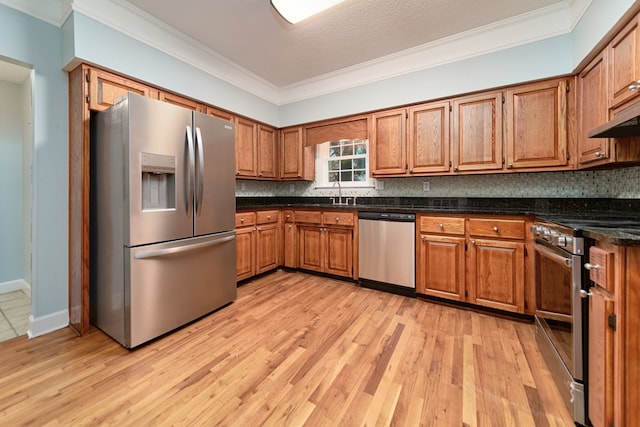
[294,349]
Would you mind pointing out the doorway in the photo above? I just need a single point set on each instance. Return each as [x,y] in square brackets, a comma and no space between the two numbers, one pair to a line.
[16,148]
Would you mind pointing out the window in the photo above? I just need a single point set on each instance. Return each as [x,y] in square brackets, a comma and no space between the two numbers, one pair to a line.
[345,161]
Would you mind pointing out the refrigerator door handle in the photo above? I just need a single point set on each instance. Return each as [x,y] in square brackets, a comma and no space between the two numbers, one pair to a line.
[188,199]
[200,192]
[185,248]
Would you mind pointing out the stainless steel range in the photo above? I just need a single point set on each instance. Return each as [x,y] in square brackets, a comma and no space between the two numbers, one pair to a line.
[561,313]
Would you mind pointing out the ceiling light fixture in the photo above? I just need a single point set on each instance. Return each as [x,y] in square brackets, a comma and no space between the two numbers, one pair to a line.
[295,11]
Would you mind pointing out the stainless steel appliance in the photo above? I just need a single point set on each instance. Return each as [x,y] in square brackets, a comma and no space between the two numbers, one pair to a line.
[163,203]
[387,255]
[561,313]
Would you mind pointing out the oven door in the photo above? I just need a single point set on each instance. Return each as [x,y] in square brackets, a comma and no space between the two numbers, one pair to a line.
[558,304]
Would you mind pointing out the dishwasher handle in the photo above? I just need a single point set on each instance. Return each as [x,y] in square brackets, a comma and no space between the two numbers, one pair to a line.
[387,216]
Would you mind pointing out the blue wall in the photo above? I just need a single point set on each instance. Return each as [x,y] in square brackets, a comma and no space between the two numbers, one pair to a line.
[34,42]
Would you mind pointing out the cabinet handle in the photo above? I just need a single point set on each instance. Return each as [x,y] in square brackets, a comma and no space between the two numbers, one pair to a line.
[290,226]
[441,226]
[473,242]
[337,219]
[590,267]
[585,294]
[423,237]
[241,220]
[510,166]
[599,154]
[633,87]
[288,216]
[268,217]
[455,169]
[496,229]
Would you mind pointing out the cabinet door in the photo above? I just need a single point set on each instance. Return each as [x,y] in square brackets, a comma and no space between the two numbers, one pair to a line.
[267,151]
[600,359]
[477,132]
[180,101]
[623,65]
[496,274]
[310,254]
[291,162]
[428,149]
[440,266]
[536,125]
[592,110]
[339,251]
[266,247]
[105,89]
[246,148]
[290,245]
[220,114]
[387,144]
[245,252]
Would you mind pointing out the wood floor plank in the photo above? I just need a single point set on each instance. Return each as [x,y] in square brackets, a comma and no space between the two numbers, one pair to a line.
[293,349]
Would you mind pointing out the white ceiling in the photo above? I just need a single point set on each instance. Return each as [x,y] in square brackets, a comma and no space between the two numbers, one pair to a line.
[246,43]
[251,34]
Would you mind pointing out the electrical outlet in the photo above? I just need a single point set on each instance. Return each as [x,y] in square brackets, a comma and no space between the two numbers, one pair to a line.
[243,186]
[292,188]
[379,184]
[425,186]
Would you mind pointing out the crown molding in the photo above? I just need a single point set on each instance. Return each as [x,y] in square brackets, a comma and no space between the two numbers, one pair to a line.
[137,24]
[551,21]
[54,12]
[523,29]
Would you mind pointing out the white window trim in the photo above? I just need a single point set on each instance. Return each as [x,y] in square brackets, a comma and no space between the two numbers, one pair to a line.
[322,169]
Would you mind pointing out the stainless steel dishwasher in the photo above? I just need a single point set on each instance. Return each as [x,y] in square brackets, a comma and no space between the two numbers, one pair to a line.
[387,255]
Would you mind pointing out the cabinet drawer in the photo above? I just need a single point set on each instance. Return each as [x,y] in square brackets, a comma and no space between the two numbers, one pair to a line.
[308,217]
[501,228]
[288,216]
[441,225]
[244,219]
[267,217]
[600,268]
[338,218]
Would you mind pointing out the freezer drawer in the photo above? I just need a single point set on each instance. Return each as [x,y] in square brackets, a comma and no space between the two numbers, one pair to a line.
[165,286]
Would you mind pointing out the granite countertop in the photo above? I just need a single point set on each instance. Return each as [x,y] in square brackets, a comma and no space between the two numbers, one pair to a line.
[597,209]
[616,236]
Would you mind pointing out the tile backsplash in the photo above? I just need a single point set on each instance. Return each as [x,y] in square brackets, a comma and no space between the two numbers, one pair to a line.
[621,183]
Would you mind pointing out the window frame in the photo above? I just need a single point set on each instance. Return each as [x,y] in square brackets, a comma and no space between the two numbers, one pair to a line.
[322,165]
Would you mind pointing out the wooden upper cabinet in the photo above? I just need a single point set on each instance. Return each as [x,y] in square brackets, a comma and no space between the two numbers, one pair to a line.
[291,153]
[535,125]
[477,132]
[220,114]
[428,147]
[105,89]
[592,111]
[387,144]
[181,101]
[267,152]
[246,148]
[623,64]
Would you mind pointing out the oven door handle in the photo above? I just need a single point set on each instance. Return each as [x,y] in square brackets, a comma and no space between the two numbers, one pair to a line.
[566,261]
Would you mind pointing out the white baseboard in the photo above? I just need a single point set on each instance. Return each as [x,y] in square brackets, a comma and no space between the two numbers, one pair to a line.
[49,323]
[15,285]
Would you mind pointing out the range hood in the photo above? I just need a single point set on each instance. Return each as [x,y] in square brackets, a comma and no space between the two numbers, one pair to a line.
[626,123]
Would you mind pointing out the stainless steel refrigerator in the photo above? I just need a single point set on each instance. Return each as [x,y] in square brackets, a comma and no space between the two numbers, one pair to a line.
[163,250]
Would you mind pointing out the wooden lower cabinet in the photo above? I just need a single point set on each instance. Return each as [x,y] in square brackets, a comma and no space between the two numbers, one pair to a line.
[440,265]
[257,242]
[326,241]
[245,252]
[479,260]
[614,342]
[290,240]
[496,274]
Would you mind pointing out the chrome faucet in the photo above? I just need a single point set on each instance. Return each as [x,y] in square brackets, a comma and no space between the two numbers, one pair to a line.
[339,193]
